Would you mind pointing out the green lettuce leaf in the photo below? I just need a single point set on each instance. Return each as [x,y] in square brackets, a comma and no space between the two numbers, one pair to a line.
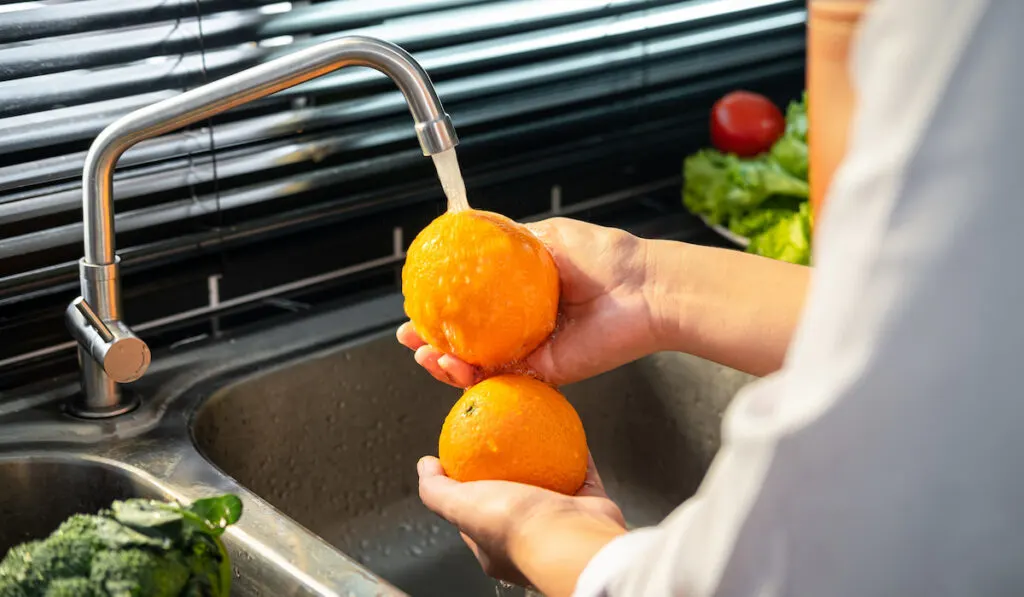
[759,220]
[790,151]
[763,198]
[788,240]
[707,183]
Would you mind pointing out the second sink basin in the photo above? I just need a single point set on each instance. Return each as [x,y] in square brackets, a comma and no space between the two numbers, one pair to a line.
[332,441]
[40,492]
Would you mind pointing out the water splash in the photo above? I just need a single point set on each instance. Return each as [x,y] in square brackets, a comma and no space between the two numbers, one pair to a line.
[447,165]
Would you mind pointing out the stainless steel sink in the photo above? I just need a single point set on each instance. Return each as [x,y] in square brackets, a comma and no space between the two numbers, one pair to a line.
[317,424]
[41,491]
[331,439]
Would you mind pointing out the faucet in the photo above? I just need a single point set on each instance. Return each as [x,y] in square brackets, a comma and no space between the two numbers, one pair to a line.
[109,353]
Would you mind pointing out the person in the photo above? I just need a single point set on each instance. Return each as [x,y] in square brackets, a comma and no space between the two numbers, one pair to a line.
[878,453]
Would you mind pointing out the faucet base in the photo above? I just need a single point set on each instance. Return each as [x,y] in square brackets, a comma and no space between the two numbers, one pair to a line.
[101,397]
[76,408]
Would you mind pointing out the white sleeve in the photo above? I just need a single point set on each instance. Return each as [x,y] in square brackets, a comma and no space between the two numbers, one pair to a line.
[608,562]
[884,458]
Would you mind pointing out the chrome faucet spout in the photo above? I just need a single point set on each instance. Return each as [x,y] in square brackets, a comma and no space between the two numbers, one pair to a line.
[108,349]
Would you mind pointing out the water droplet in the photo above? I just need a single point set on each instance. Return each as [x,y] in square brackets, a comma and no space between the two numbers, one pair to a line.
[416,550]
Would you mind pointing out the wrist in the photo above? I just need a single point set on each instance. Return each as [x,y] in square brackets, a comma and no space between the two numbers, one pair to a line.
[669,272]
[553,545]
[723,305]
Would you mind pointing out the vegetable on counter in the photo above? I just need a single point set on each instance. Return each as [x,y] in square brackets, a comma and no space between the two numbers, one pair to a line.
[745,123]
[137,548]
[761,197]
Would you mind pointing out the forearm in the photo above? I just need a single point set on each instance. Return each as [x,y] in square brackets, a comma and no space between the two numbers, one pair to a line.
[732,308]
[553,552]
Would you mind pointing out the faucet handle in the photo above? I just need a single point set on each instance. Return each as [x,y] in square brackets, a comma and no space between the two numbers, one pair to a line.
[122,354]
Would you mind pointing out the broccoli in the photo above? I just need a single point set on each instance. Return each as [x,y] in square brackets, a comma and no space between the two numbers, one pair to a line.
[136,548]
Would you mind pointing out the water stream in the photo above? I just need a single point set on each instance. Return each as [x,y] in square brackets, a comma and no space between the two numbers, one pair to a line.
[447,165]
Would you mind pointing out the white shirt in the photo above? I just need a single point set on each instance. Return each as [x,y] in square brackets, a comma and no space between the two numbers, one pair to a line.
[886,458]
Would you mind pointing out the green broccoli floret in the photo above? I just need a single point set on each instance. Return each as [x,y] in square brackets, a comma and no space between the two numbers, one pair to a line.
[15,567]
[68,551]
[11,588]
[140,572]
[137,548]
[71,587]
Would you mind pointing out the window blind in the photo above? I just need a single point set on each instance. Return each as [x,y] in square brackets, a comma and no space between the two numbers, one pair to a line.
[324,181]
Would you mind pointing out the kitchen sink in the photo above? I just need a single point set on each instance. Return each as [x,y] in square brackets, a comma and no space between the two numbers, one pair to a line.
[41,491]
[317,424]
[331,439]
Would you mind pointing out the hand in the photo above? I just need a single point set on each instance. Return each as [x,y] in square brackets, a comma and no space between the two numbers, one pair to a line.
[605,313]
[523,534]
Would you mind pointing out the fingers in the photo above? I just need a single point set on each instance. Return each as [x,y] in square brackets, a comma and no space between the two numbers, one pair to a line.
[408,337]
[461,374]
[593,492]
[443,367]
[429,466]
[438,492]
[593,486]
[473,547]
[427,356]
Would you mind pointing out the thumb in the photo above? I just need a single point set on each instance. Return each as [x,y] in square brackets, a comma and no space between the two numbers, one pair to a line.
[539,228]
[547,233]
[438,492]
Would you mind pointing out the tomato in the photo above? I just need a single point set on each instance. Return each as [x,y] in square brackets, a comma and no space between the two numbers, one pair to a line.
[745,123]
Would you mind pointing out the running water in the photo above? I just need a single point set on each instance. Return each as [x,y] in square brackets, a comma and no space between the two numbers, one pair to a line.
[447,165]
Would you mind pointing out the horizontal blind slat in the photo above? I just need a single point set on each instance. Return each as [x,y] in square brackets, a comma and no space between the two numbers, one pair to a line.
[443,62]
[92,15]
[415,34]
[180,33]
[329,144]
[532,86]
[455,91]
[14,286]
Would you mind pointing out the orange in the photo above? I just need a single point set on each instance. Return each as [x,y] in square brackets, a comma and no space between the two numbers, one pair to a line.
[515,428]
[480,286]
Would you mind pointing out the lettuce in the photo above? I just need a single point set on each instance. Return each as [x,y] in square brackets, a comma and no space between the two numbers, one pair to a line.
[763,198]
[789,239]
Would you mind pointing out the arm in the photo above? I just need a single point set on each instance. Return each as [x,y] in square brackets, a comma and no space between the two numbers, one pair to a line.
[732,308]
[624,298]
[525,534]
[553,548]
[836,475]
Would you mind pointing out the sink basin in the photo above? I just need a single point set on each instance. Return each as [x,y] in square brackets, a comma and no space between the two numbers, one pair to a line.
[40,492]
[332,439]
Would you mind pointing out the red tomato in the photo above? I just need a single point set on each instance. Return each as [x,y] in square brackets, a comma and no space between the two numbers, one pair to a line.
[745,123]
